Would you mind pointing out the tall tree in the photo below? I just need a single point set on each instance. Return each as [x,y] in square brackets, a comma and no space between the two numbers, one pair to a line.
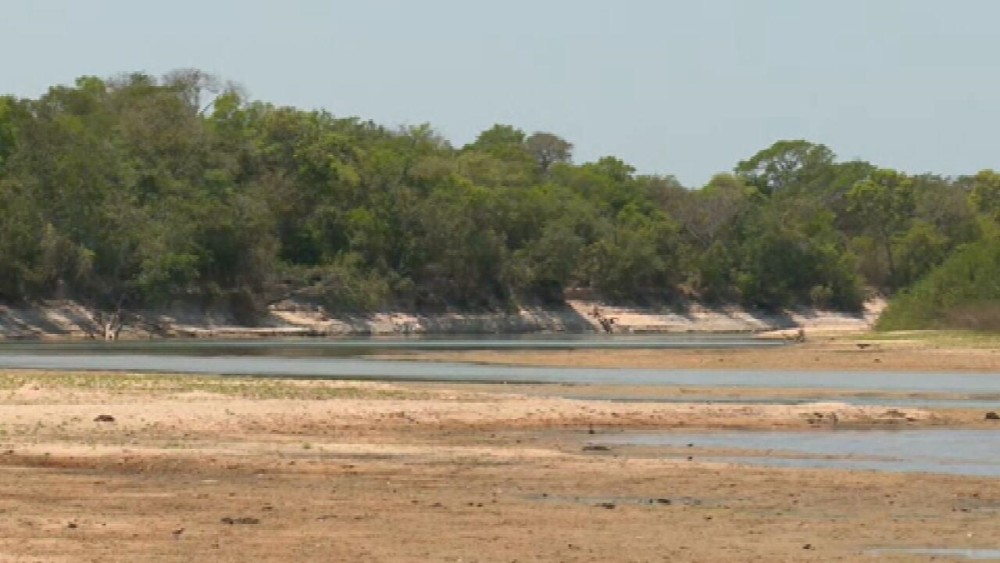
[787,165]
[884,202]
[548,149]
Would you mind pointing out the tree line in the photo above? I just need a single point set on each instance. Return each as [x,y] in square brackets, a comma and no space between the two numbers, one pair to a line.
[137,191]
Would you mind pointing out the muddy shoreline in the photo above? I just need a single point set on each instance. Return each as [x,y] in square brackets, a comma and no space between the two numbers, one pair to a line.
[848,352]
[130,467]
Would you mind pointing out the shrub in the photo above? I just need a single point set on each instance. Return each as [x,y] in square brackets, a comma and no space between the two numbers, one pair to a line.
[964,292]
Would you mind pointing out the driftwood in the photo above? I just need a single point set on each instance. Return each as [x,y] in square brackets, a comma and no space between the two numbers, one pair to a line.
[109,324]
[607,323]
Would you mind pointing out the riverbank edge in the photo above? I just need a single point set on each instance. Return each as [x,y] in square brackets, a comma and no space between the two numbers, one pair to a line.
[64,319]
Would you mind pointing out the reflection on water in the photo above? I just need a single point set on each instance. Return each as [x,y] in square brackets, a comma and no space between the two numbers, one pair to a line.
[959,452]
[970,554]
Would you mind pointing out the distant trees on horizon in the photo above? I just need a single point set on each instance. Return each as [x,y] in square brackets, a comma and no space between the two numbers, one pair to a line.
[136,191]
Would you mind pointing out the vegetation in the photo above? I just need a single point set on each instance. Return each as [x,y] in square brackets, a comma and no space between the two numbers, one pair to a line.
[135,191]
[242,387]
[963,293]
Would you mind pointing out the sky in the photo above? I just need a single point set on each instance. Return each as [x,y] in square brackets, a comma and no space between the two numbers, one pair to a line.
[687,88]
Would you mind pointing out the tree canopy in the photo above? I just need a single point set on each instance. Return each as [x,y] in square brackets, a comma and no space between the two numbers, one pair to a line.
[145,191]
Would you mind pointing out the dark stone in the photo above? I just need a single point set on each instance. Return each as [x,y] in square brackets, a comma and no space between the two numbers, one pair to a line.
[242,520]
[104,418]
[596,449]
[992,416]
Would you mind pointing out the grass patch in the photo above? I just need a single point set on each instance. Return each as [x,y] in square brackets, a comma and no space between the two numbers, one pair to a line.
[242,387]
[942,338]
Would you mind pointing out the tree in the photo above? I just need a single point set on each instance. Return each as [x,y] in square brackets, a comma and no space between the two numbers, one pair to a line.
[637,257]
[884,204]
[985,194]
[11,111]
[787,165]
[707,214]
[961,293]
[548,149]
[498,137]
[138,191]
[795,256]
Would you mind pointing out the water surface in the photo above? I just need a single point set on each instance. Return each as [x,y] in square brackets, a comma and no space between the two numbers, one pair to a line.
[345,359]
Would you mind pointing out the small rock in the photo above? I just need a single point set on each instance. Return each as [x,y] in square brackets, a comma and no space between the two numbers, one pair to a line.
[662,501]
[242,520]
[72,525]
[992,416]
[807,546]
[607,505]
[593,448]
[104,418]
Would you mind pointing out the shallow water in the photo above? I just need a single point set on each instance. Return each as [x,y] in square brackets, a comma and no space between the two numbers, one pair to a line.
[958,452]
[392,370]
[345,359]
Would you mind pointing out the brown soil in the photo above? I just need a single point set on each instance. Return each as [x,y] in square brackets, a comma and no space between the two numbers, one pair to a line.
[194,469]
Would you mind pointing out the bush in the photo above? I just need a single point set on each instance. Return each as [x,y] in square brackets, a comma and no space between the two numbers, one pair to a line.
[964,292]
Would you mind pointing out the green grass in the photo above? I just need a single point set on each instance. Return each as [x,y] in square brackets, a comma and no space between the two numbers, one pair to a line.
[944,338]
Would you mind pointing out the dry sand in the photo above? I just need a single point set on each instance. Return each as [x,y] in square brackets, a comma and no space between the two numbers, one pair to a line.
[195,469]
[64,319]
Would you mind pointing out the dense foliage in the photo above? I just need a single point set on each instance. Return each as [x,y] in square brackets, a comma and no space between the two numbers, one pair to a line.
[963,293]
[136,191]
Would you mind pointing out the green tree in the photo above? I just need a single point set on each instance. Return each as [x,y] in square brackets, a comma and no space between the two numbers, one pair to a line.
[548,149]
[884,203]
[985,194]
[788,165]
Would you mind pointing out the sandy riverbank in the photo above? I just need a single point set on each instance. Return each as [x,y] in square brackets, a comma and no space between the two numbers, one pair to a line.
[71,320]
[195,468]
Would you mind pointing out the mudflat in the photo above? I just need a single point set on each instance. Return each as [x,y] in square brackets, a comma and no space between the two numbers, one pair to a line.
[851,352]
[127,467]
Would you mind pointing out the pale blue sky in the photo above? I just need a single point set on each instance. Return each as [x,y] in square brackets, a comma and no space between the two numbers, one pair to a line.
[679,87]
